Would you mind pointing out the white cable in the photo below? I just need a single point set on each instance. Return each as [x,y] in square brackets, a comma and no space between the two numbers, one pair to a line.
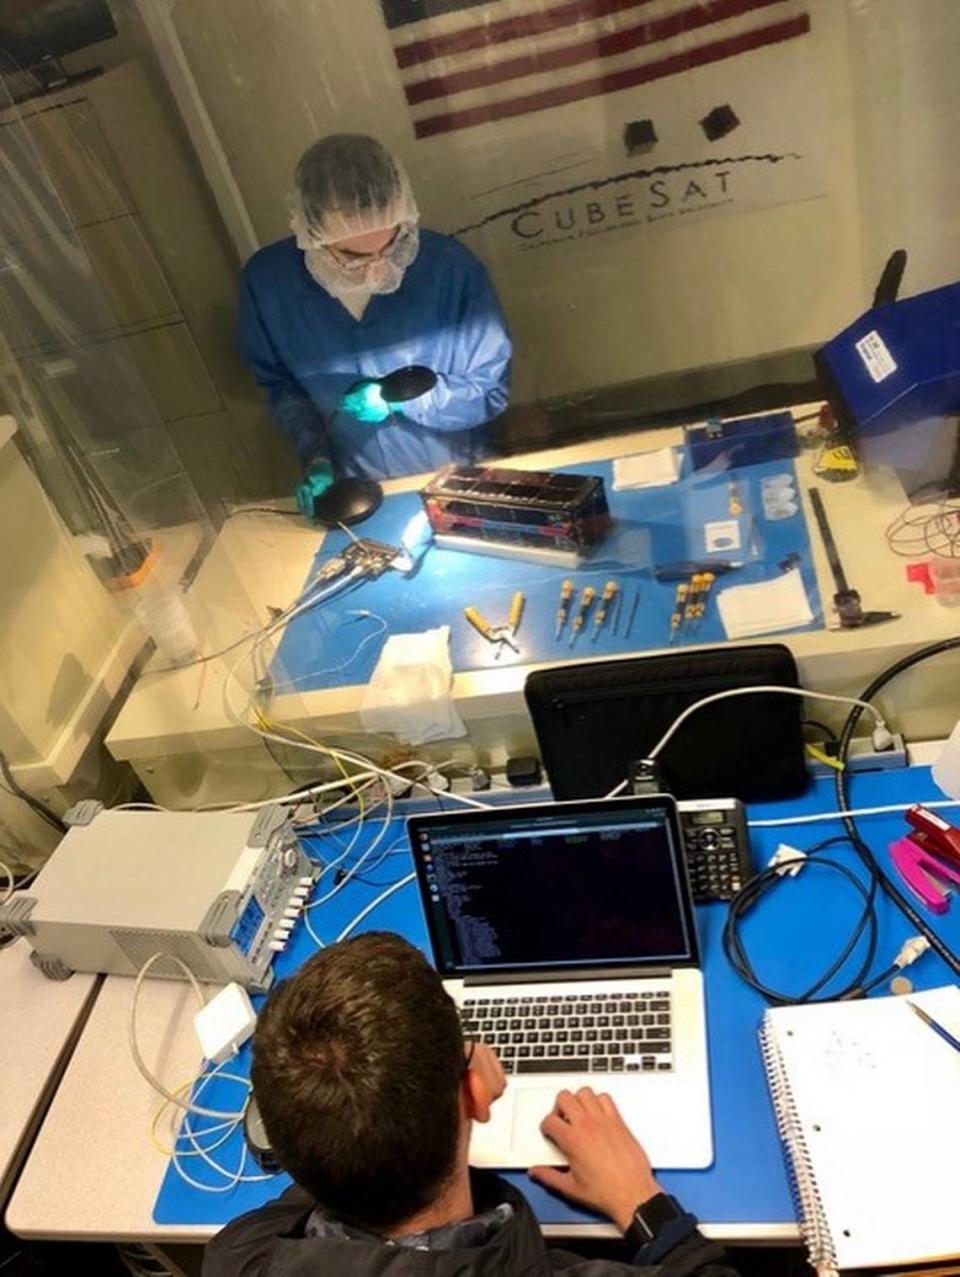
[808,819]
[187,1133]
[138,1059]
[373,905]
[329,751]
[289,683]
[11,882]
[397,848]
[387,820]
[359,760]
[233,1177]
[802,692]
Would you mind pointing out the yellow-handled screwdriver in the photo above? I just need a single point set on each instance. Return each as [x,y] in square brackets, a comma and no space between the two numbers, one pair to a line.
[563,611]
[676,619]
[690,611]
[607,599]
[706,585]
[580,620]
[516,612]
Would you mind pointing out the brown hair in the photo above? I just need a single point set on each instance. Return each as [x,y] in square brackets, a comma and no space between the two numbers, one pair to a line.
[357,1062]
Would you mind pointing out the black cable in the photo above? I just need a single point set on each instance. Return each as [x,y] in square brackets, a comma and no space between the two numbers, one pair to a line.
[754,891]
[842,784]
[829,735]
[34,804]
[862,992]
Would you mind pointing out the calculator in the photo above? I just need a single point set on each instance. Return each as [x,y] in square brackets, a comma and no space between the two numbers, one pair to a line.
[717,847]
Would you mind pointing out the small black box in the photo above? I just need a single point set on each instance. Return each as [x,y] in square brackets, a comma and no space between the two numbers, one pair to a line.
[719,122]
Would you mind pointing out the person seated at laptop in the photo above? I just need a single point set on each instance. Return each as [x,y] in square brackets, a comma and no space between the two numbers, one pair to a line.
[368,1093]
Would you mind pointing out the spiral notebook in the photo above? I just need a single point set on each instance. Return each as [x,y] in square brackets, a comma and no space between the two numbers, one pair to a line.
[867,1099]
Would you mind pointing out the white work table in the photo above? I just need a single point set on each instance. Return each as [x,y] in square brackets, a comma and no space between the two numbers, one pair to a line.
[174,729]
[42,1020]
[93,1173]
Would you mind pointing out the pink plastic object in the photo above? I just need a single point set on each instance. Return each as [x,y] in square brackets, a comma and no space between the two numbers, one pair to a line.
[917,867]
[919,574]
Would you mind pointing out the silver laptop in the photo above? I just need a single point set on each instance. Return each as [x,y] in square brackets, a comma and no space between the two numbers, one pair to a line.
[565,934]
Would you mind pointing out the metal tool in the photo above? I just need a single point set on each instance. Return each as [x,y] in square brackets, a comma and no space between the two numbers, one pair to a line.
[580,620]
[563,611]
[633,612]
[846,599]
[679,604]
[670,572]
[492,633]
[610,592]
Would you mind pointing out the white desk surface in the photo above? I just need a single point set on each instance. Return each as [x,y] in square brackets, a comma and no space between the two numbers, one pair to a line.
[183,712]
[93,1174]
[40,1020]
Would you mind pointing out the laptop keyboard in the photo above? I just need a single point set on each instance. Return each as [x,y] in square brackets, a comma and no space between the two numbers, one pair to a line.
[575,1033]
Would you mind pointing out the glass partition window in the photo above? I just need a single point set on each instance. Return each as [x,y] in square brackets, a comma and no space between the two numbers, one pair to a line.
[269,269]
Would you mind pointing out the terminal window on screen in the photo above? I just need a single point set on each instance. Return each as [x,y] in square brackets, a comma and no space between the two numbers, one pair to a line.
[607,894]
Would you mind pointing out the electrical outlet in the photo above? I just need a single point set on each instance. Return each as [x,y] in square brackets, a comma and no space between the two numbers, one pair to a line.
[862,757]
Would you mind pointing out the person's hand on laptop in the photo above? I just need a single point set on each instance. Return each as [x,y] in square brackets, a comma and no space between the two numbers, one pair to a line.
[485,1063]
[608,1170]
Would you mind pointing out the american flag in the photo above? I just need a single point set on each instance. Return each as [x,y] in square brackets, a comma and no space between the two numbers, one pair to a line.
[469,62]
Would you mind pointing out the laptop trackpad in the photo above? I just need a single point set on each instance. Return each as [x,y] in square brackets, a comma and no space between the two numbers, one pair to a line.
[529,1110]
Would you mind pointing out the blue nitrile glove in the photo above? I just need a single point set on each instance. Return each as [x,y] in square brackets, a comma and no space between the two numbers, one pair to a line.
[315,482]
[365,401]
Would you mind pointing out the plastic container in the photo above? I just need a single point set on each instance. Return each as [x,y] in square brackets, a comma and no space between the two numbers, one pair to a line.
[945,576]
[946,770]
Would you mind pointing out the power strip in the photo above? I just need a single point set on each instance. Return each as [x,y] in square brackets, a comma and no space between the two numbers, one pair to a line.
[862,757]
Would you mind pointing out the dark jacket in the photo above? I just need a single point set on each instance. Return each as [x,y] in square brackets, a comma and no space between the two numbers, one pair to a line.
[270,1242]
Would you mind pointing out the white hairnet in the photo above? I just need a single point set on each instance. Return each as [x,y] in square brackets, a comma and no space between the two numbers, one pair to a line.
[349,185]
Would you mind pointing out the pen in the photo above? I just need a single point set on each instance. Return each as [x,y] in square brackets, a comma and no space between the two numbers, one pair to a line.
[937,1028]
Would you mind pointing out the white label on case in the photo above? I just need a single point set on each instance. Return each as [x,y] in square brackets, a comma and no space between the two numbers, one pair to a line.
[878,361]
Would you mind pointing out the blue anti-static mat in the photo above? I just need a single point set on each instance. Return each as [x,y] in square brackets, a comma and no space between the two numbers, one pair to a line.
[332,646]
[792,938]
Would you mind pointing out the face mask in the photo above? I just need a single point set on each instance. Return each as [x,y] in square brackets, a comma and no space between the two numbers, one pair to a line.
[383,274]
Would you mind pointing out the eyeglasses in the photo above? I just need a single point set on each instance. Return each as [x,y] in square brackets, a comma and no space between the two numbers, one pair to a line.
[351,260]
[468,1057]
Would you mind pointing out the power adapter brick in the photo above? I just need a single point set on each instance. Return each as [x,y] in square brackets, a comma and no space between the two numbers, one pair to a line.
[225,1023]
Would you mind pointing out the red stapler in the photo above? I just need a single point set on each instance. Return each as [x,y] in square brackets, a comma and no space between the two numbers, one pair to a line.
[929,853]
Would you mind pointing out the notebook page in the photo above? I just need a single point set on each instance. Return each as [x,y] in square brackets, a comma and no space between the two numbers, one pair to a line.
[877,1097]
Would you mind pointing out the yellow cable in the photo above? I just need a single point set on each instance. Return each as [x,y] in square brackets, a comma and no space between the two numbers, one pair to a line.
[285,728]
[815,752]
[154,1137]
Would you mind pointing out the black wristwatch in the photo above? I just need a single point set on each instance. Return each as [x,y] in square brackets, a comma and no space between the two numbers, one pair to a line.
[649,1218]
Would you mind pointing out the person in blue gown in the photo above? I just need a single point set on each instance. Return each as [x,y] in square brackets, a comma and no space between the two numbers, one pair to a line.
[356,293]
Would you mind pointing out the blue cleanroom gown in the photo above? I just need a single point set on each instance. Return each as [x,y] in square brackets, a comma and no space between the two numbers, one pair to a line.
[306,350]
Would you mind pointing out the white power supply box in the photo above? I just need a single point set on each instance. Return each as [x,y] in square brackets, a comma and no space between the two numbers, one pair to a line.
[219,891]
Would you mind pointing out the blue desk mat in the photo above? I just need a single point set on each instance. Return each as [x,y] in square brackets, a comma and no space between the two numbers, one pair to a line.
[331,646]
[792,938]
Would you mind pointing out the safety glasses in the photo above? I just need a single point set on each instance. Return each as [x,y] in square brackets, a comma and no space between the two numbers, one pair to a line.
[350,260]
